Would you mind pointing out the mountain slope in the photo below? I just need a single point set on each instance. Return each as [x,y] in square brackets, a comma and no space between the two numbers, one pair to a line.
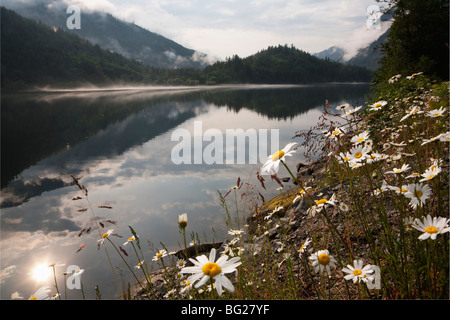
[369,56]
[116,35]
[366,57]
[333,53]
[36,54]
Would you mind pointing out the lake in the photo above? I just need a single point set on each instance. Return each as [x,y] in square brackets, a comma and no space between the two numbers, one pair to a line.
[124,146]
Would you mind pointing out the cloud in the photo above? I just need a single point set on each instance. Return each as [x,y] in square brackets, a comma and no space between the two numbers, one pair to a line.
[224,27]
[6,273]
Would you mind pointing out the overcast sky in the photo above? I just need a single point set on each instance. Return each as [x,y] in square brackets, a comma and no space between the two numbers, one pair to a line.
[225,27]
[222,28]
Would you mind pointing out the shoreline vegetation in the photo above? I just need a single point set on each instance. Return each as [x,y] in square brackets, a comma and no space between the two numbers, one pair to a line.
[368,219]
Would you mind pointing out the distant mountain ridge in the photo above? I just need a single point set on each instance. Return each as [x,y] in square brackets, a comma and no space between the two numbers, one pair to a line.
[366,57]
[124,38]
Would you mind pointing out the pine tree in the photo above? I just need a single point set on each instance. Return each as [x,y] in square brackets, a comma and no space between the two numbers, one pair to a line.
[418,40]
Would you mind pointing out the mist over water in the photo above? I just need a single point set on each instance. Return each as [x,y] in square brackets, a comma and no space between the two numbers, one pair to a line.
[117,141]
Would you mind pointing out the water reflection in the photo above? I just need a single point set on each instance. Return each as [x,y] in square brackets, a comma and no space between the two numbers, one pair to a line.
[119,145]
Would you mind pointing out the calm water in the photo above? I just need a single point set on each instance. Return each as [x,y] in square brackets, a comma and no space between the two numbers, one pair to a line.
[119,144]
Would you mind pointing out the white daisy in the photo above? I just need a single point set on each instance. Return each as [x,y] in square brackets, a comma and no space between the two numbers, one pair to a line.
[404,168]
[205,269]
[272,165]
[383,188]
[336,133]
[344,157]
[322,202]
[436,112]
[359,153]
[161,254]
[445,137]
[139,265]
[41,294]
[132,238]
[431,227]
[360,137]
[418,193]
[350,112]
[377,105]
[105,235]
[181,263]
[343,207]
[343,106]
[399,190]
[430,173]
[414,110]
[394,78]
[322,261]
[357,272]
[300,194]
[375,156]
[182,220]
[303,247]
[235,232]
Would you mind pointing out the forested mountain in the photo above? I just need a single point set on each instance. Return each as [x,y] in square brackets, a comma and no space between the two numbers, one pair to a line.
[109,32]
[35,54]
[282,64]
[367,57]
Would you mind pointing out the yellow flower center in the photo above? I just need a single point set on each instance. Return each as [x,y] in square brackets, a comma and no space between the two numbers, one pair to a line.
[360,139]
[324,259]
[105,235]
[431,177]
[321,201]
[33,298]
[211,269]
[418,193]
[335,132]
[346,159]
[403,190]
[378,105]
[358,155]
[431,229]
[159,255]
[357,272]
[131,239]
[278,155]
